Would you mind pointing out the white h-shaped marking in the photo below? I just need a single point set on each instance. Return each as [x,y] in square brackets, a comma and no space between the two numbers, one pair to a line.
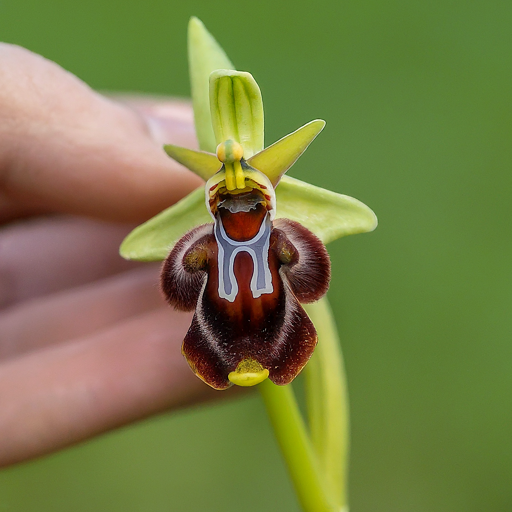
[257,248]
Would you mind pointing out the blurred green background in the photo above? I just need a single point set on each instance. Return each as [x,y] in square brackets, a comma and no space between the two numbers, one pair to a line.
[417,98]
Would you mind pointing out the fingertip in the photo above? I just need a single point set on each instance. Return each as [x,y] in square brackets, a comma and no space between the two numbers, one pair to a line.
[68,149]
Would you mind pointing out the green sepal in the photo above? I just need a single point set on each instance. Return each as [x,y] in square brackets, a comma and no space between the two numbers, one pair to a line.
[153,240]
[237,109]
[203,164]
[327,214]
[275,160]
[204,56]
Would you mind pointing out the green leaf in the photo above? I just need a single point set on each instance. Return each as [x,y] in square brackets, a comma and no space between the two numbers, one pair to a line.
[203,164]
[275,160]
[327,401]
[237,109]
[153,240]
[204,56]
[328,214]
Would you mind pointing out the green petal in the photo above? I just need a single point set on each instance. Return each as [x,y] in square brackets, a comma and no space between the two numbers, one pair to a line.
[153,240]
[203,164]
[237,109]
[327,214]
[275,160]
[204,56]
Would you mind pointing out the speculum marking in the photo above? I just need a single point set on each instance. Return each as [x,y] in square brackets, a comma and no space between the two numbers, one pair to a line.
[257,248]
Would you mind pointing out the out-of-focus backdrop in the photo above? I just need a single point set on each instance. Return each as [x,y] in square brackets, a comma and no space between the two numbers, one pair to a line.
[418,102]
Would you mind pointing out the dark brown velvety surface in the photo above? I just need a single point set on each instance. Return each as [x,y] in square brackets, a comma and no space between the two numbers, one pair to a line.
[273,329]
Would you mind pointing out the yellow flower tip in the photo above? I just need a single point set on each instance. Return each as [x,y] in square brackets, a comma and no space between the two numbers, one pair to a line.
[248,373]
[230,151]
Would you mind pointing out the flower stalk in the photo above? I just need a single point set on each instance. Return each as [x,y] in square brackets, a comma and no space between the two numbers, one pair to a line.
[296,448]
[316,461]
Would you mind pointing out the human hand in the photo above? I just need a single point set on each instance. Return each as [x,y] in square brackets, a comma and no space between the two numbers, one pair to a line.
[86,342]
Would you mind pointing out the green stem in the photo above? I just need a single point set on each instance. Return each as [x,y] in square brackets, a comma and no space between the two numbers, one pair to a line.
[296,447]
[327,399]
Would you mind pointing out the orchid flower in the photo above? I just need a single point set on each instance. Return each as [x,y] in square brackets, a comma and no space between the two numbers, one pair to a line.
[246,250]
[246,273]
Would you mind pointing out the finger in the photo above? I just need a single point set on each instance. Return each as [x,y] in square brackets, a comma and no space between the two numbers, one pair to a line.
[44,255]
[166,118]
[61,395]
[11,209]
[65,148]
[81,311]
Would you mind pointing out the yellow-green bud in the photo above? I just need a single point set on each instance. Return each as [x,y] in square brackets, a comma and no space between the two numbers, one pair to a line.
[230,151]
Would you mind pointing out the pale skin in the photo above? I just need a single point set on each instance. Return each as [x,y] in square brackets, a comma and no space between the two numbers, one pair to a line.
[87,343]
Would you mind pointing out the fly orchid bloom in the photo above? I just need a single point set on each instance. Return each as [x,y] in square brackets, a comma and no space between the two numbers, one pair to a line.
[247,249]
